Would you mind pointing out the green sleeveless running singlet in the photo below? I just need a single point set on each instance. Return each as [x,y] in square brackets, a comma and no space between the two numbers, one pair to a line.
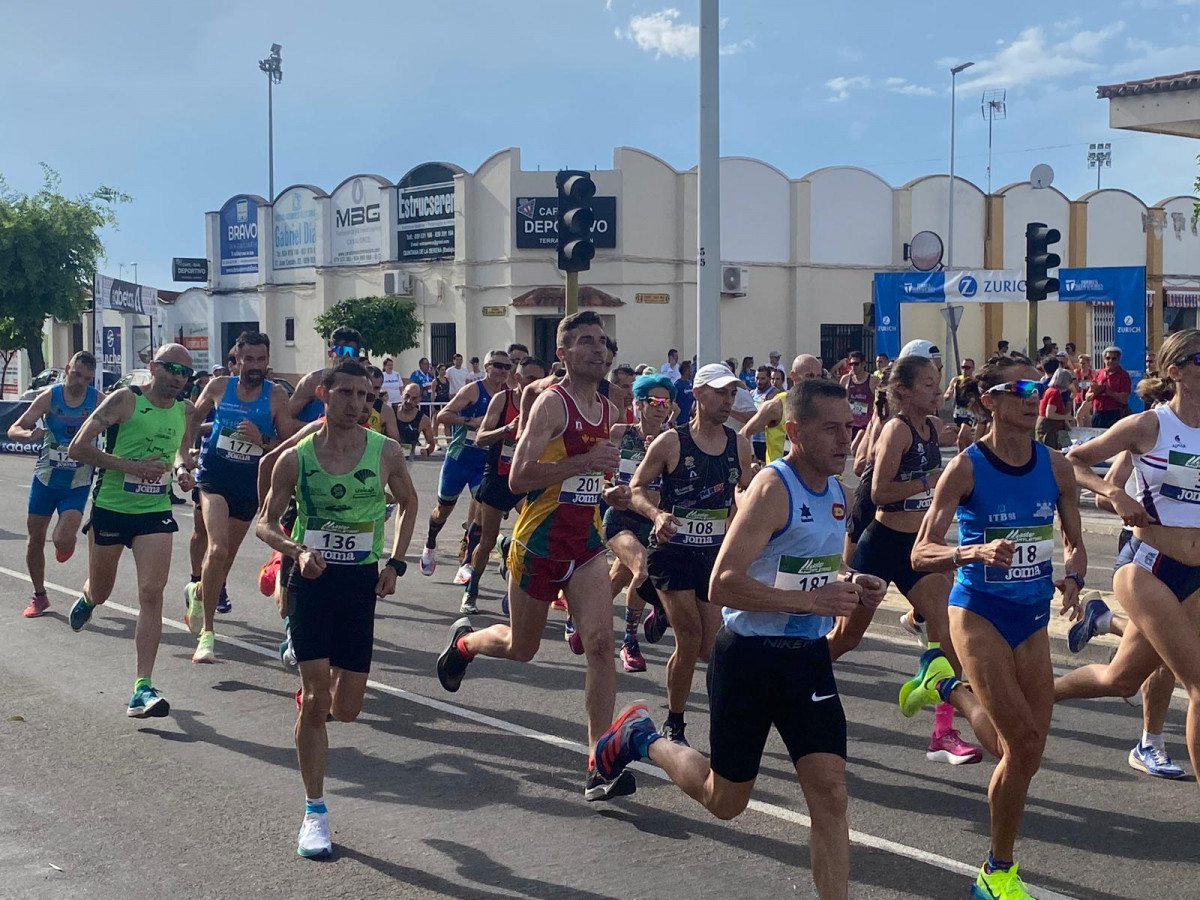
[341,515]
[152,432]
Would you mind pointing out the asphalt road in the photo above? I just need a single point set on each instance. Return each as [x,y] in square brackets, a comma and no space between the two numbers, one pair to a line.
[479,794]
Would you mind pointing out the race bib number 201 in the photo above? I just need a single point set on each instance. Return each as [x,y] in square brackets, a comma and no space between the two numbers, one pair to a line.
[582,490]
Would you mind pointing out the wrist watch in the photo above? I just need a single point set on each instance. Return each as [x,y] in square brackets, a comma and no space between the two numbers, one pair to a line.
[1077,578]
[398,566]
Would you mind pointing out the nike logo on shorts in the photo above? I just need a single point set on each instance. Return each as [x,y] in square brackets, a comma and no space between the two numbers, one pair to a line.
[818,699]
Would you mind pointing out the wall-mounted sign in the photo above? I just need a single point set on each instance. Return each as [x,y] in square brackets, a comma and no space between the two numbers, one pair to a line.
[652,298]
[294,229]
[239,235]
[357,229]
[186,268]
[495,310]
[111,349]
[536,228]
[194,336]
[425,222]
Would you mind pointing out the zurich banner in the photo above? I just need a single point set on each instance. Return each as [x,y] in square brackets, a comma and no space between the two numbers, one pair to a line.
[1125,288]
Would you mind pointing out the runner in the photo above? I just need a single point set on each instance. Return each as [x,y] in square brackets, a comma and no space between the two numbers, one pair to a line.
[497,434]
[771,414]
[463,465]
[762,392]
[860,390]
[700,463]
[378,416]
[1005,490]
[305,405]
[1158,576]
[907,464]
[963,417]
[412,423]
[144,429]
[626,533]
[562,454]
[777,576]
[337,478]
[60,484]
[251,416]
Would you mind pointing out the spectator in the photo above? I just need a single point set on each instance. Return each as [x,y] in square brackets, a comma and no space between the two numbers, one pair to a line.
[683,391]
[1072,356]
[1002,348]
[671,367]
[423,377]
[773,358]
[473,373]
[776,378]
[1110,391]
[441,386]
[748,374]
[391,383]
[1052,428]
[1151,364]
[1084,373]
[458,374]
[1049,365]
[881,364]
[1047,348]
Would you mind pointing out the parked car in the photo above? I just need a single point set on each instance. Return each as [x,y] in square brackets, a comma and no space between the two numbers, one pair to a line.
[41,381]
[132,378]
[286,385]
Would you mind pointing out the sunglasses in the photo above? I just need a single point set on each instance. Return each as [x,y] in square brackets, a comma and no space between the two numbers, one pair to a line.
[1023,389]
[1183,360]
[344,350]
[659,402]
[177,368]
[503,367]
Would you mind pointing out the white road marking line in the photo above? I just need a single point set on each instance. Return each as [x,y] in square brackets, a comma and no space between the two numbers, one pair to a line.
[770,809]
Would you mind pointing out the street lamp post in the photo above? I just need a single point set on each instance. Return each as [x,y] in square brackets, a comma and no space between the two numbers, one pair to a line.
[708,189]
[951,327]
[273,66]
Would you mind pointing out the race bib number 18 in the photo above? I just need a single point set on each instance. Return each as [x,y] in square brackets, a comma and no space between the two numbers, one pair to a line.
[806,573]
[1033,557]
[700,527]
[582,490]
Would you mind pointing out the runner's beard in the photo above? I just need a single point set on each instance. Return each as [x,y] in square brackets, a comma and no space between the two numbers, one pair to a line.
[254,376]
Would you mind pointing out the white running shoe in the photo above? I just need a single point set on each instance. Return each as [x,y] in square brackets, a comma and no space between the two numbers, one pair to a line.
[193,616]
[313,841]
[428,562]
[909,623]
[463,576]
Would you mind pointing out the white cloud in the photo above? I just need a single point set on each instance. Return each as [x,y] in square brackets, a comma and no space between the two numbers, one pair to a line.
[664,34]
[1032,59]
[842,85]
[904,86]
[608,5]
[857,130]
[736,47]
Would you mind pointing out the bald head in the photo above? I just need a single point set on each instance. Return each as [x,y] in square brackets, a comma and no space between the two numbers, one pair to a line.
[806,366]
[175,353]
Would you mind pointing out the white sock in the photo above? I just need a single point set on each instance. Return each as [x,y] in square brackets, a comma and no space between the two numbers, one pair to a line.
[1104,623]
[1153,740]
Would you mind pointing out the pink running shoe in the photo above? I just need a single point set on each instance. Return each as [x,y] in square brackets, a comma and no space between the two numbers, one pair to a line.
[560,602]
[631,657]
[38,604]
[949,747]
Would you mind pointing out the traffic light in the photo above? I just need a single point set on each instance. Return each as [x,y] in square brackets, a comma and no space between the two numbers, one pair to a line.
[1039,260]
[574,220]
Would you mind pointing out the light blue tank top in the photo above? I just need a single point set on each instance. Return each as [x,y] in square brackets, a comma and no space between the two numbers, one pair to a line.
[53,468]
[1014,503]
[803,555]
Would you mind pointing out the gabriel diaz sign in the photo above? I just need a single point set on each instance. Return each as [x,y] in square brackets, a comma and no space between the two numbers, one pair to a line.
[537,229]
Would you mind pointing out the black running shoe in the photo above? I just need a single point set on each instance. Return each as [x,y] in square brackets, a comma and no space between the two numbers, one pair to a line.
[452,665]
[596,788]
[674,733]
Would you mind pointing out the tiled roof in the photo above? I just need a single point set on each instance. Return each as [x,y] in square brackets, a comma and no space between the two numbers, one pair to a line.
[1184,81]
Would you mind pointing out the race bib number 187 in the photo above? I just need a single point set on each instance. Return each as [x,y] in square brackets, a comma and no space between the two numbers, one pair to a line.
[806,573]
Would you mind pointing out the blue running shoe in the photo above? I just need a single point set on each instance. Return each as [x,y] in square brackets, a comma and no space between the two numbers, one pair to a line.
[1085,629]
[504,604]
[147,703]
[81,613]
[627,740]
[1154,762]
[224,604]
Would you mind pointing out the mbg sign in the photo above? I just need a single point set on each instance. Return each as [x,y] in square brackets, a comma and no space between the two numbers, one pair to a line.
[239,235]
[536,226]
[357,232]
[294,229]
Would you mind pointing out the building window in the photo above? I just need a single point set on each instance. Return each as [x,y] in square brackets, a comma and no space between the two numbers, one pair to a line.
[289,332]
[443,342]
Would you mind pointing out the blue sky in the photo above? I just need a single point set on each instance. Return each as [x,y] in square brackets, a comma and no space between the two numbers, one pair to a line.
[165,100]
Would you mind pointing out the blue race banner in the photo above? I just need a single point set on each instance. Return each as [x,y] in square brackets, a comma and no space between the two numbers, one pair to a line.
[894,288]
[111,361]
[1125,288]
[239,235]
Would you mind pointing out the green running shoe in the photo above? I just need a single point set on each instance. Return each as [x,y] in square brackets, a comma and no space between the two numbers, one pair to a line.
[921,690]
[147,703]
[81,613]
[193,617]
[999,885]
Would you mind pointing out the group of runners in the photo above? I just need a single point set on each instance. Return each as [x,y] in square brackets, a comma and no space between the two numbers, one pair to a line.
[752,552]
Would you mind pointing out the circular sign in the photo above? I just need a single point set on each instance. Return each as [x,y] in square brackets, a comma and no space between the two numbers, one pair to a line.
[968,286]
[925,251]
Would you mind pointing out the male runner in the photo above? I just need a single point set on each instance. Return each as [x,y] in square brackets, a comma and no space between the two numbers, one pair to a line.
[412,422]
[771,413]
[378,415]
[779,576]
[562,454]
[463,465]
[337,478]
[305,405]
[251,417]
[698,465]
[60,484]
[762,392]
[860,390]
[145,428]
[497,435]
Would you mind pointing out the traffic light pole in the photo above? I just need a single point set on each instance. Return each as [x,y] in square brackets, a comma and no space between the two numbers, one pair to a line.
[571,294]
[1031,323]
[708,259]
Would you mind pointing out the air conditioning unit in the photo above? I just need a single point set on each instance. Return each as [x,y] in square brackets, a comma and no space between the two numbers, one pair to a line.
[735,281]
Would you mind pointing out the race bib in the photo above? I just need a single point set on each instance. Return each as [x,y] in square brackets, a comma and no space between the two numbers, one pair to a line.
[1182,481]
[961,412]
[56,455]
[507,449]
[922,501]
[341,543]
[472,434]
[1033,557]
[858,408]
[629,463]
[806,573]
[232,446]
[582,490]
[703,528]
[135,485]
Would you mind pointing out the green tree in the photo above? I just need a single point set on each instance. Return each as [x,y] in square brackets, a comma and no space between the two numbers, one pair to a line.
[49,250]
[388,326]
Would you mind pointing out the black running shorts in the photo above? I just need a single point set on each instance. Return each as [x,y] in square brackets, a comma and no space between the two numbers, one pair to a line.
[242,507]
[493,491]
[757,682]
[333,616]
[887,554]
[680,569]
[109,528]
